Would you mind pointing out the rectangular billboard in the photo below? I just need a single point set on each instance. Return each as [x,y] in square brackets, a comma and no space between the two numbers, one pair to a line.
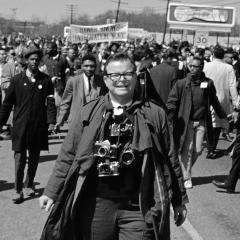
[190,16]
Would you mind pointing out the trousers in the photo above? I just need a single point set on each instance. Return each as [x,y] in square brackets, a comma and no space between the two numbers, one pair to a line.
[20,163]
[104,219]
[192,147]
[212,145]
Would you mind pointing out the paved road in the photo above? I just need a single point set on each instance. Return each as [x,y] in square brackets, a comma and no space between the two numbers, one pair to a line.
[211,214]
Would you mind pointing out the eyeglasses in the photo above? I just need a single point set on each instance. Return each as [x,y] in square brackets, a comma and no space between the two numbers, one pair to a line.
[194,66]
[115,77]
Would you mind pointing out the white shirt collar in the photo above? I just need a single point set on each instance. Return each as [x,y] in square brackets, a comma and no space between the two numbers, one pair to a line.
[100,57]
[28,73]
[85,77]
[55,57]
[117,108]
[30,76]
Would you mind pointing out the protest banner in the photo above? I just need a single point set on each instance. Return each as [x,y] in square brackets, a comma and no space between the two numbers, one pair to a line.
[99,33]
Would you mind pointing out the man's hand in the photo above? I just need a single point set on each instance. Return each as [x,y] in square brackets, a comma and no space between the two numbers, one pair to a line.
[55,79]
[45,203]
[51,128]
[5,85]
[180,213]
[57,128]
[235,116]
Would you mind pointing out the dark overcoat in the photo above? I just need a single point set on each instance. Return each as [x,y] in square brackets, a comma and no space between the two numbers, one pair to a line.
[163,76]
[34,109]
[179,106]
[161,173]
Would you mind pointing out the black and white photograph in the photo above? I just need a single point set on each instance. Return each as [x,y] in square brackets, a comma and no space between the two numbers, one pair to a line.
[120,120]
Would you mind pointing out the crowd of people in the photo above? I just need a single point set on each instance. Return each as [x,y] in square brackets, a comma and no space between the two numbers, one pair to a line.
[138,114]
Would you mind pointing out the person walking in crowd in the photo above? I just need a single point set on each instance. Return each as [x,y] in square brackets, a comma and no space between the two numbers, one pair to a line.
[189,112]
[229,184]
[114,48]
[31,95]
[164,77]
[228,58]
[207,55]
[71,56]
[10,69]
[3,60]
[183,61]
[145,87]
[54,65]
[99,55]
[80,89]
[224,79]
[116,173]
[236,66]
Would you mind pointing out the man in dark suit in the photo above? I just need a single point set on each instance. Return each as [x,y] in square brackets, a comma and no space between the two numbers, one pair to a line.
[80,90]
[163,76]
[31,95]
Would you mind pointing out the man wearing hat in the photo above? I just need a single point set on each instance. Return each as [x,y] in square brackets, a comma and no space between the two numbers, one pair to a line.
[31,94]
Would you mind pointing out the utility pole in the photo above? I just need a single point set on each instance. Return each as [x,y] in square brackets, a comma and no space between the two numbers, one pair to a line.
[165,26]
[71,10]
[13,18]
[118,7]
[14,12]
[119,2]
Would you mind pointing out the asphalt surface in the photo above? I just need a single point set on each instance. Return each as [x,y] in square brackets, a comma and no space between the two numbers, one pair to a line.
[212,214]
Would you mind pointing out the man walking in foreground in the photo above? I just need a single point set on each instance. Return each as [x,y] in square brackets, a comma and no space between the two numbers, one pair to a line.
[116,174]
[31,95]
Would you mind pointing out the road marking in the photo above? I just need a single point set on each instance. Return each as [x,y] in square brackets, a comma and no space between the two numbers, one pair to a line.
[188,227]
[190,230]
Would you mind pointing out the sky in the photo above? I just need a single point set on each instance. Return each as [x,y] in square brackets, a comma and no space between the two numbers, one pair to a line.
[54,10]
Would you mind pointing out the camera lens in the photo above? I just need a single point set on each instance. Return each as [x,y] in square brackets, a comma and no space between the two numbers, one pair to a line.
[127,157]
[103,151]
[105,169]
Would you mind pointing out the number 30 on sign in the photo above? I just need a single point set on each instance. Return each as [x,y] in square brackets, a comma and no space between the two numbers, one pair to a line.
[201,38]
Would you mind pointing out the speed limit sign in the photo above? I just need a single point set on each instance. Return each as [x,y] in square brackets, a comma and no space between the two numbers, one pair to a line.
[201,38]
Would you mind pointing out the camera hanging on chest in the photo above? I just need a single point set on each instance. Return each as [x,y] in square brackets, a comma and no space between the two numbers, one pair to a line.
[113,150]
